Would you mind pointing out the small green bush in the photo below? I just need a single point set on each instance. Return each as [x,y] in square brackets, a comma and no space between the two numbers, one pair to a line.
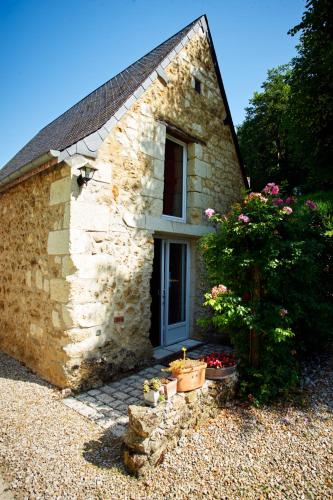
[269,262]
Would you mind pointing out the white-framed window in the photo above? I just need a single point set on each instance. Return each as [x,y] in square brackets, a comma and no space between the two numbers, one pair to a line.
[175,173]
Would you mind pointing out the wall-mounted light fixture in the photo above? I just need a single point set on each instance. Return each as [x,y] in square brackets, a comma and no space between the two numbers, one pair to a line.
[86,174]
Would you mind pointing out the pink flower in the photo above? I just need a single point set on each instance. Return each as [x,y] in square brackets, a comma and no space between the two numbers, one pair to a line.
[268,188]
[256,196]
[290,200]
[311,204]
[209,212]
[287,210]
[218,290]
[243,218]
[278,202]
[283,312]
[271,188]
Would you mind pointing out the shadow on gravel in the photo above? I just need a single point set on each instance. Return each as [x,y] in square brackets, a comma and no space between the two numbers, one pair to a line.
[312,400]
[105,453]
[13,369]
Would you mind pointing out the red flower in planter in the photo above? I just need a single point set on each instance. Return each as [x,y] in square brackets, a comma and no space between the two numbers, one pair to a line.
[220,360]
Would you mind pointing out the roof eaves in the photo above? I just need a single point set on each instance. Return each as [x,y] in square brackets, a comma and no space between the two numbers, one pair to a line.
[25,169]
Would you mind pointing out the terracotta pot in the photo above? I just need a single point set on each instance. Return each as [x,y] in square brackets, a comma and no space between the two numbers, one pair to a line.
[191,378]
[170,389]
[218,373]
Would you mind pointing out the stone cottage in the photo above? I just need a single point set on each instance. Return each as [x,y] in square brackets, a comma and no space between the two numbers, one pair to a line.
[95,275]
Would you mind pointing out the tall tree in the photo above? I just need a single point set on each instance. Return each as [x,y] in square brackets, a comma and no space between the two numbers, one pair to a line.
[287,132]
[311,94]
[263,134]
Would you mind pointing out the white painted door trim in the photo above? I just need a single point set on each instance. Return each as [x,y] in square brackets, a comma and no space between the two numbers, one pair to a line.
[182,326]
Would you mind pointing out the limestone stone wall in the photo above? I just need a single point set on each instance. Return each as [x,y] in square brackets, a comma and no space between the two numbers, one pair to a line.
[34,218]
[153,431]
[108,313]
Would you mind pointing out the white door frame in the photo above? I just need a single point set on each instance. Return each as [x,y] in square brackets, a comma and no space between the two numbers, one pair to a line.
[165,255]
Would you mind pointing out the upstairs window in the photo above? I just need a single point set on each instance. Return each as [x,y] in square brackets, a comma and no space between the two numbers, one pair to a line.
[197,85]
[174,195]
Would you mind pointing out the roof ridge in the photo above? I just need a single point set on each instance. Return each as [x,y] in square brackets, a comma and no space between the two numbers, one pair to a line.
[120,72]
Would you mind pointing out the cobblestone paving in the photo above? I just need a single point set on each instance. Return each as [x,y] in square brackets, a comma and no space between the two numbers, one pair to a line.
[107,405]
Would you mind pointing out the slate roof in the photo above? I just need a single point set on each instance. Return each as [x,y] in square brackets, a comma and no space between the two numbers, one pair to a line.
[92,112]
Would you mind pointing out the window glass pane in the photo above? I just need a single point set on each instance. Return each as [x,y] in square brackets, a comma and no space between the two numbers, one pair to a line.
[173,179]
[177,283]
[197,85]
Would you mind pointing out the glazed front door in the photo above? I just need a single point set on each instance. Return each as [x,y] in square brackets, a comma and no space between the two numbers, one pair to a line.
[175,287]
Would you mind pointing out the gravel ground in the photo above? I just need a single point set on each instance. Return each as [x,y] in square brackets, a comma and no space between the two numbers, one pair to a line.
[49,451]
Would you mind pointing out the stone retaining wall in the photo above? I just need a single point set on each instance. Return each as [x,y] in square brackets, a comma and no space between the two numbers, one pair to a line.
[153,431]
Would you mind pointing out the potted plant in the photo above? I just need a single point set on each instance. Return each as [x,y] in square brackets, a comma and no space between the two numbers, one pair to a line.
[219,365]
[153,392]
[169,387]
[190,373]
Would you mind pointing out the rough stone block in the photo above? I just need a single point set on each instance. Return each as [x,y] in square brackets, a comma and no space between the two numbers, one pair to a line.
[86,290]
[195,150]
[152,148]
[89,216]
[86,315]
[58,242]
[141,421]
[194,183]
[46,285]
[82,348]
[59,290]
[93,266]
[80,242]
[197,167]
[56,320]
[39,279]
[152,188]
[68,266]
[66,217]
[28,278]
[158,169]
[36,331]
[60,191]
[195,200]
[160,133]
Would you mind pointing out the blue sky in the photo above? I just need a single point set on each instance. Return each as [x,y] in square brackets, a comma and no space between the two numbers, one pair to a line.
[54,52]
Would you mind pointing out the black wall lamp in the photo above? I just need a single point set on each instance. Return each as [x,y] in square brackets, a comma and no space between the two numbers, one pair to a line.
[86,174]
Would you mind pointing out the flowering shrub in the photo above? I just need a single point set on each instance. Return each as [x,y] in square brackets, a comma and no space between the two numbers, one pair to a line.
[219,360]
[218,290]
[243,218]
[209,212]
[268,265]
[311,204]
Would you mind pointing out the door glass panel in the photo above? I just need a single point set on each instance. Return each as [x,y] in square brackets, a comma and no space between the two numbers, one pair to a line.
[177,283]
[173,179]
